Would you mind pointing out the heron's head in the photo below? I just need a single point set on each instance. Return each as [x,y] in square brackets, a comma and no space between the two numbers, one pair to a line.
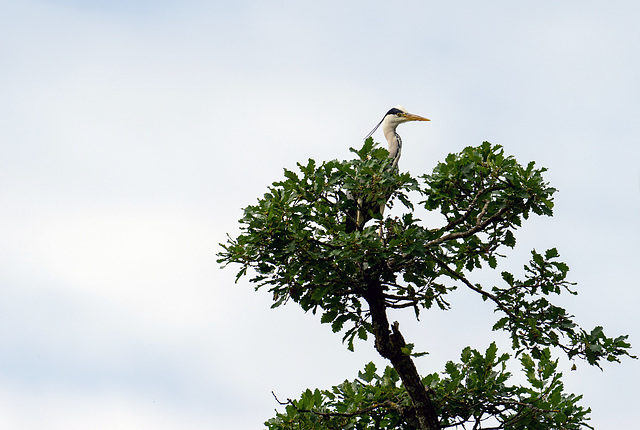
[398,115]
[394,117]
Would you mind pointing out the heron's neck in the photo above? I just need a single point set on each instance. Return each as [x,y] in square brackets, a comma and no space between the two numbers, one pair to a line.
[395,144]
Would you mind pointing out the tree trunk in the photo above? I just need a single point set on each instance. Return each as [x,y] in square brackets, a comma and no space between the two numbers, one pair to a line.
[389,343]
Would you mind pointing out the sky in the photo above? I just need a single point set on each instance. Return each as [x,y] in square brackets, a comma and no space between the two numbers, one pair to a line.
[132,134]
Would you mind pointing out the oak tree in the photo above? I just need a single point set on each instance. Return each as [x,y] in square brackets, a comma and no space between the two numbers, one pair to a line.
[293,242]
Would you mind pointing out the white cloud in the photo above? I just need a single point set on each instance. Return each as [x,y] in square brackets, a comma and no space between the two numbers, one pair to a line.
[56,409]
[148,259]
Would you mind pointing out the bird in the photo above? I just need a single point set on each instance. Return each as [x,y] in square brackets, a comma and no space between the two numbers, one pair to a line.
[356,219]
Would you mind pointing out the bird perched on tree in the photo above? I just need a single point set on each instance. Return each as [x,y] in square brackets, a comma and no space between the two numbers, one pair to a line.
[357,218]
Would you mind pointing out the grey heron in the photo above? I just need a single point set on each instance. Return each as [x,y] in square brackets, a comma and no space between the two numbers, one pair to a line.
[391,120]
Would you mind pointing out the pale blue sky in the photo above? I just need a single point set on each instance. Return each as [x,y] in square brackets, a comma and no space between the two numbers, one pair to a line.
[134,132]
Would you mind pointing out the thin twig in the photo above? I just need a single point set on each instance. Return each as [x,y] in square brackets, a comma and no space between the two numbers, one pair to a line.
[468,283]
[385,404]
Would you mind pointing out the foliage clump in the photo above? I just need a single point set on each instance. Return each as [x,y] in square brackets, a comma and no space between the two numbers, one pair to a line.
[474,391]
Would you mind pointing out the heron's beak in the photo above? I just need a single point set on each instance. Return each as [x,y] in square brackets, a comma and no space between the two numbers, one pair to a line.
[412,117]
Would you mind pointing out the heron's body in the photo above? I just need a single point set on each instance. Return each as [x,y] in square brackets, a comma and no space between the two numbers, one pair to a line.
[392,119]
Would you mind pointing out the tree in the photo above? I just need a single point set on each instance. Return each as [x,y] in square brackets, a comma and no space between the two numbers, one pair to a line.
[294,242]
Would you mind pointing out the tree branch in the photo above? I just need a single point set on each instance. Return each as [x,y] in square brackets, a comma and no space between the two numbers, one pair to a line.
[488,295]
[473,230]
[385,404]
[464,217]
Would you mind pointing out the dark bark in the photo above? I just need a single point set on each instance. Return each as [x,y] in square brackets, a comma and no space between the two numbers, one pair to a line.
[389,343]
